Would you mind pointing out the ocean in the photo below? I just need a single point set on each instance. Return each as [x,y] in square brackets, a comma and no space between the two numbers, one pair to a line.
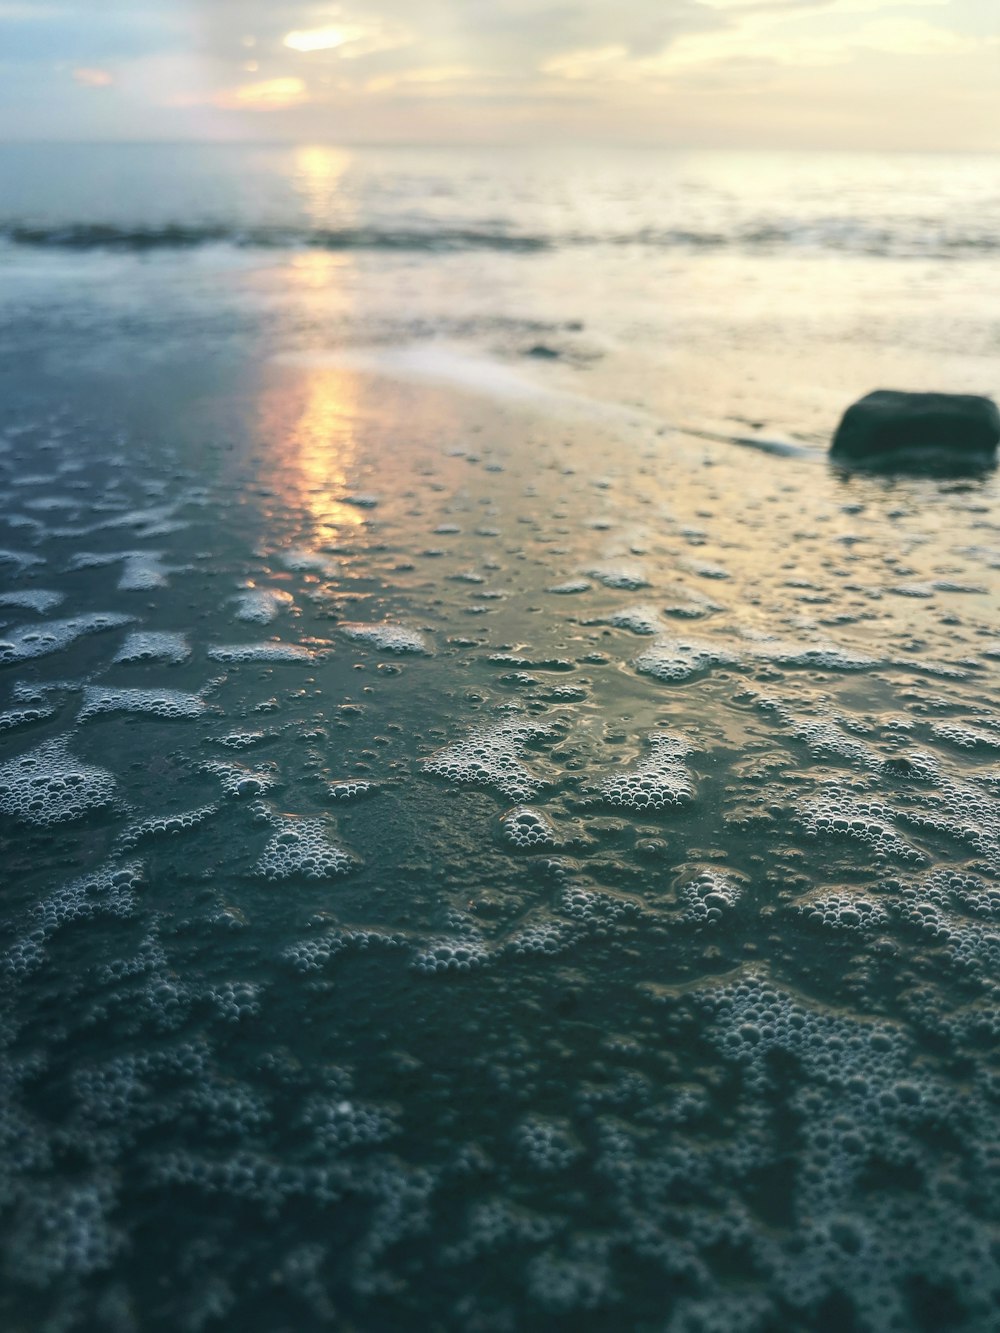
[496,831]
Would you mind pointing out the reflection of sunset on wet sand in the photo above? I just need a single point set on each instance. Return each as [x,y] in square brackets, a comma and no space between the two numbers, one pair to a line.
[315,455]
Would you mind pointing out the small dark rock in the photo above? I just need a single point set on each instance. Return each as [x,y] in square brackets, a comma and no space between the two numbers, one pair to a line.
[892,427]
[543,353]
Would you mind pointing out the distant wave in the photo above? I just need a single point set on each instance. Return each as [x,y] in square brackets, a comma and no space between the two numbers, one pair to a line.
[840,235]
[181,236]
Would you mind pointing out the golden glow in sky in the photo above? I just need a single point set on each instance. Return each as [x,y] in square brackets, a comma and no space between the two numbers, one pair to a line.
[730,73]
[322,39]
[268,95]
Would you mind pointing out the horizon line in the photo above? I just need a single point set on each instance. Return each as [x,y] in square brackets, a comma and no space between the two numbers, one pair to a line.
[644,145]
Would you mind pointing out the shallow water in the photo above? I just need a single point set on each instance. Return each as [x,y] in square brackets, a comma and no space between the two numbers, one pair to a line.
[476,856]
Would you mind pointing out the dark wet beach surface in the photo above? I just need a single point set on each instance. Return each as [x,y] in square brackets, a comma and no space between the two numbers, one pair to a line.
[475,857]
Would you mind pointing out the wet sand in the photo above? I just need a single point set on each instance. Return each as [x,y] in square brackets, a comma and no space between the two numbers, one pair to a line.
[479,861]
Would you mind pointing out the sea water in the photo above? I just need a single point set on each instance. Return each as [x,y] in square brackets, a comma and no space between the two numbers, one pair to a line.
[495,832]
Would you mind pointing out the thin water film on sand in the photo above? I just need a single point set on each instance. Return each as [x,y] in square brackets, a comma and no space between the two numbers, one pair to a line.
[465,868]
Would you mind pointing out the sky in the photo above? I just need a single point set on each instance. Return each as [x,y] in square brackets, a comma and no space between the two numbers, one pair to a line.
[880,74]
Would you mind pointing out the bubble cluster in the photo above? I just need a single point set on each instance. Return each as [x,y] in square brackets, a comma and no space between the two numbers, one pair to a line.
[32,599]
[143,571]
[312,955]
[824,656]
[302,559]
[855,913]
[21,560]
[241,740]
[710,895]
[526,829]
[149,645]
[235,1001]
[19,717]
[98,699]
[389,638]
[156,826]
[259,606]
[266,652]
[595,909]
[302,848]
[577,1282]
[462,954]
[338,1126]
[52,636]
[547,1143]
[641,619]
[836,815]
[672,660]
[239,781]
[47,785]
[490,757]
[966,737]
[351,789]
[110,891]
[541,938]
[630,577]
[658,781]
[64,1231]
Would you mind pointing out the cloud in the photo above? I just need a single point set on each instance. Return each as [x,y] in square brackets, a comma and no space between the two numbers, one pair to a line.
[89,77]
[350,38]
[720,71]
[267,95]
[771,36]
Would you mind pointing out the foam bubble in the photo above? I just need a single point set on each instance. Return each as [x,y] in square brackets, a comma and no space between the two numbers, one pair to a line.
[165,825]
[48,786]
[302,847]
[490,757]
[658,781]
[351,789]
[639,619]
[570,587]
[262,605]
[158,703]
[22,560]
[710,895]
[19,717]
[32,599]
[628,576]
[141,570]
[109,891]
[51,636]
[527,829]
[390,638]
[239,781]
[149,645]
[302,559]
[266,652]
[672,659]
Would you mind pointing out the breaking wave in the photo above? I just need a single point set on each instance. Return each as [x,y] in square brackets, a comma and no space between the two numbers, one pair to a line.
[834,235]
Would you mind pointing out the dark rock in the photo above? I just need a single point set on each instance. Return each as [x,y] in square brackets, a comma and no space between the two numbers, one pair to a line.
[543,353]
[892,427]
